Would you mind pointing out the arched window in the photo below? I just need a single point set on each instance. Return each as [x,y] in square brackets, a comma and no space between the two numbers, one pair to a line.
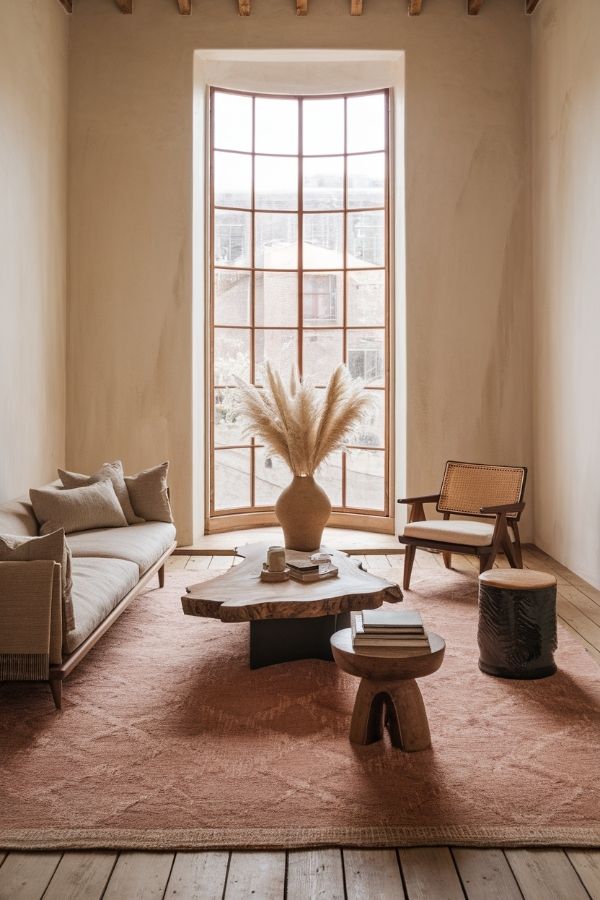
[299,246]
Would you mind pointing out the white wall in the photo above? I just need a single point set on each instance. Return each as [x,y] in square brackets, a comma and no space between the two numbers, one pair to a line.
[130,357]
[566,221]
[33,236]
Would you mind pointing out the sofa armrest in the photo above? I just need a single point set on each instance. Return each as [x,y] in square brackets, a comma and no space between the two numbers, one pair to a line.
[30,619]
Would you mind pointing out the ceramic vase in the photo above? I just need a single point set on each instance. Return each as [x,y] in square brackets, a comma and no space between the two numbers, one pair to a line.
[303,509]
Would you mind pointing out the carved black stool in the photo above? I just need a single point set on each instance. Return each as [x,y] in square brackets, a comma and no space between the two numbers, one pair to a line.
[517,623]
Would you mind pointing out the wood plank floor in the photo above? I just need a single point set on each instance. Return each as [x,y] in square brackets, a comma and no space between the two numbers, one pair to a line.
[420,873]
[416,873]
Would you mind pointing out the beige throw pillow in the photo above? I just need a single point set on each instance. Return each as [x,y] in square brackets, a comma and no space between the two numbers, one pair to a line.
[16,548]
[149,494]
[79,509]
[112,471]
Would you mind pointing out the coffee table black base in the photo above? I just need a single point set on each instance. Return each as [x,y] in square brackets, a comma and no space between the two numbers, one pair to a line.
[275,641]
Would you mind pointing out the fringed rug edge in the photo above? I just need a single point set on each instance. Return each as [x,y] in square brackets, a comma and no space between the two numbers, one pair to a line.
[174,839]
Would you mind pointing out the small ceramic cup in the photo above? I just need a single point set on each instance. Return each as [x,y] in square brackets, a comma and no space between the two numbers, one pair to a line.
[276,559]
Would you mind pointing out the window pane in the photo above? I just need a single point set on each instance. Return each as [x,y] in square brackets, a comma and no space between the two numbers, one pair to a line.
[323,241]
[371,431]
[322,352]
[279,347]
[276,125]
[232,238]
[366,297]
[276,182]
[232,479]
[233,180]
[276,298]
[366,356]
[366,180]
[366,123]
[323,298]
[323,126]
[276,244]
[232,355]
[323,182]
[271,476]
[232,298]
[233,121]
[329,476]
[228,426]
[366,239]
[365,479]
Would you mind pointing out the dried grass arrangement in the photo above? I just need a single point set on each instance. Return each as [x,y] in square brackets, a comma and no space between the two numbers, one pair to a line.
[295,423]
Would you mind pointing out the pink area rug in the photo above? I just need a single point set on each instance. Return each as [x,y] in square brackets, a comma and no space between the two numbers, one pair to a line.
[168,740]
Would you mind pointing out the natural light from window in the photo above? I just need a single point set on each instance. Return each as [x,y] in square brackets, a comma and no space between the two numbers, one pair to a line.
[299,275]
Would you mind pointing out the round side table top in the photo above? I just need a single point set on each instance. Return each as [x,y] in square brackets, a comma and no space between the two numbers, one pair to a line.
[386,668]
[517,579]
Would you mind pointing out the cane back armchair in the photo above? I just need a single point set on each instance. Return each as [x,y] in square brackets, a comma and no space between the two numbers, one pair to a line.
[494,493]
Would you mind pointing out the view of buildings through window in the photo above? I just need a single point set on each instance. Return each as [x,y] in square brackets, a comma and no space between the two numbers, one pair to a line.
[299,242]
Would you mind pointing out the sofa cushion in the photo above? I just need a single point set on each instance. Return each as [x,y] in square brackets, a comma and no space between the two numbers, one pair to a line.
[141,544]
[452,531]
[95,506]
[149,494]
[18,548]
[113,472]
[98,585]
[16,517]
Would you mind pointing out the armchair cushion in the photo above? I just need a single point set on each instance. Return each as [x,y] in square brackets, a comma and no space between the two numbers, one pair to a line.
[16,548]
[112,471]
[451,531]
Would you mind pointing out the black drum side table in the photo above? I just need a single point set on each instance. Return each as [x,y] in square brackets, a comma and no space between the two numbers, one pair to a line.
[517,623]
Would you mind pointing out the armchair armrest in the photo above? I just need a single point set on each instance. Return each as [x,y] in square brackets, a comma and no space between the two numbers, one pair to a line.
[30,619]
[429,498]
[503,508]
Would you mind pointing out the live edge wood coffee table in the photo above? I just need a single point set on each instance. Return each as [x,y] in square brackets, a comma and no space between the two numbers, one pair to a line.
[388,693]
[288,620]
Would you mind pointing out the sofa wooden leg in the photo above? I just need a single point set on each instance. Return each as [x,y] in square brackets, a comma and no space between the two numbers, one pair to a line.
[409,558]
[56,688]
[447,559]
[161,576]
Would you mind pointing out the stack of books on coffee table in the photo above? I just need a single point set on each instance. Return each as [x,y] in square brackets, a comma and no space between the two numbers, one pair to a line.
[307,571]
[389,632]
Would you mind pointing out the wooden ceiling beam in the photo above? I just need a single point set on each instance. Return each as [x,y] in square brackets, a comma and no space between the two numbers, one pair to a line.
[126,6]
[301,7]
[244,7]
[67,4]
[474,6]
[185,7]
[414,7]
[356,7]
[530,6]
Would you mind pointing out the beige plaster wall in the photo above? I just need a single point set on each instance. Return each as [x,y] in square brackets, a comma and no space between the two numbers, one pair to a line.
[33,233]
[566,218]
[468,215]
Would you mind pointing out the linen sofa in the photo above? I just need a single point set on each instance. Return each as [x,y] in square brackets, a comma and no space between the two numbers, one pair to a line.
[109,567]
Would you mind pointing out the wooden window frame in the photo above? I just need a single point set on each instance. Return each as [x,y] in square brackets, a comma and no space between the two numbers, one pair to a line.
[219,520]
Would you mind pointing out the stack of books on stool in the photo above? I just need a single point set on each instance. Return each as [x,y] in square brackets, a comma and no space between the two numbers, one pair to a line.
[389,632]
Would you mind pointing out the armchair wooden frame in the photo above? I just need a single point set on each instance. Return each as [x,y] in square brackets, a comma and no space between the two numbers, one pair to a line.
[506,517]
